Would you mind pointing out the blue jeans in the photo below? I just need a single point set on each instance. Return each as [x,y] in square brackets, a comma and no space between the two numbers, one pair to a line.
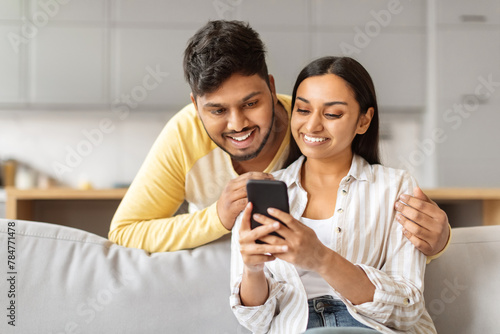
[325,311]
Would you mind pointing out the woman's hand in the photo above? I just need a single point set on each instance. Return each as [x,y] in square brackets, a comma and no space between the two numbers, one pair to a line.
[255,255]
[305,250]
[254,290]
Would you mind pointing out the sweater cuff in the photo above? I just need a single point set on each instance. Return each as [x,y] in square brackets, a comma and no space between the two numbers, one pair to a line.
[214,216]
[433,257]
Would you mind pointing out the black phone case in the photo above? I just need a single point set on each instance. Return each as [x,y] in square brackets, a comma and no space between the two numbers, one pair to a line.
[264,194]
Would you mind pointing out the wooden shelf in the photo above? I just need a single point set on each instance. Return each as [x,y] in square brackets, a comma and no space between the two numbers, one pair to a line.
[463,193]
[489,198]
[90,210]
[65,193]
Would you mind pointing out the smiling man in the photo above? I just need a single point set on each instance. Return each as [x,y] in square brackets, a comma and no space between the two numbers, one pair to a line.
[235,129]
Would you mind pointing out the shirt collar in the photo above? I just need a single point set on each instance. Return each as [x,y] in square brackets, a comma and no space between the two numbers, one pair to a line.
[360,169]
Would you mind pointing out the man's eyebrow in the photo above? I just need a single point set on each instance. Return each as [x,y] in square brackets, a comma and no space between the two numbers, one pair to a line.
[221,105]
[213,105]
[327,104]
[249,96]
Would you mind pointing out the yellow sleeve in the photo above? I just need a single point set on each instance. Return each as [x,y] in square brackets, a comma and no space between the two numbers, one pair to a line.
[144,218]
[430,258]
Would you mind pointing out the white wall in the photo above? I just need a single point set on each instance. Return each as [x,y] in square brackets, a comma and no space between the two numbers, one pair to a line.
[72,71]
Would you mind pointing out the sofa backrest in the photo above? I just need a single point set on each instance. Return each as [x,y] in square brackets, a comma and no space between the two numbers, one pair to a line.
[72,281]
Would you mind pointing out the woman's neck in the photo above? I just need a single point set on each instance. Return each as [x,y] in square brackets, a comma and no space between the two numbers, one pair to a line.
[319,173]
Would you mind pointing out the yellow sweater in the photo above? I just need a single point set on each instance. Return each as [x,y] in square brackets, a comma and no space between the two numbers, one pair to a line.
[183,163]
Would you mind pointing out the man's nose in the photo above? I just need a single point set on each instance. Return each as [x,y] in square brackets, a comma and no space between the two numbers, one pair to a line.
[237,121]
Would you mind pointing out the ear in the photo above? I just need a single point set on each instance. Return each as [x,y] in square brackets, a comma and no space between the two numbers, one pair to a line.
[272,87]
[194,101]
[364,121]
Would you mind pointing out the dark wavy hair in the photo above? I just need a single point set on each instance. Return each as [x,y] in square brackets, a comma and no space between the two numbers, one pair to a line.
[358,79]
[220,49]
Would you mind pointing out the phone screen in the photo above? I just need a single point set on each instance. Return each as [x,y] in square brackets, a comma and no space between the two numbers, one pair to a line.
[264,194]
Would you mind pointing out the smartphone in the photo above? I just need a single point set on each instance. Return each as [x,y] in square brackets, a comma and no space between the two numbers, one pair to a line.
[266,194]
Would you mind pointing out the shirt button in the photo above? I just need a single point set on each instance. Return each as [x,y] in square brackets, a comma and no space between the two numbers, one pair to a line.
[406,301]
[339,230]
[378,328]
[354,310]
[349,179]
[344,192]
[340,210]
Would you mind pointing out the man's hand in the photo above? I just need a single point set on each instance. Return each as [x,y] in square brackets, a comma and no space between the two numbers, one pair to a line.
[424,223]
[234,197]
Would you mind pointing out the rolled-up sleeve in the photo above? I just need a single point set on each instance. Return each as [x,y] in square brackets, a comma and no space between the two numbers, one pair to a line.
[398,301]
[257,319]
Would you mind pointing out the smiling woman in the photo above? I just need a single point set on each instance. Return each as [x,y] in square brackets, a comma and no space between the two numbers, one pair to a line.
[357,91]
[342,259]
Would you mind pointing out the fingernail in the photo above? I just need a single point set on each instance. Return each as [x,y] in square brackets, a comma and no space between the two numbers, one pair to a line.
[284,248]
[271,210]
[276,225]
[256,216]
[399,206]
[406,233]
[404,197]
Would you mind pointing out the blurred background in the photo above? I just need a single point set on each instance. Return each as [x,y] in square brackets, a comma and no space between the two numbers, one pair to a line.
[87,85]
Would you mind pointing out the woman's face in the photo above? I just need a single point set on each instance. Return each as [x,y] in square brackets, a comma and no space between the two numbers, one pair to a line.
[326,117]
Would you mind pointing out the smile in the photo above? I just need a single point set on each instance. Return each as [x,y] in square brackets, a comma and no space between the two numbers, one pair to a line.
[314,139]
[242,138]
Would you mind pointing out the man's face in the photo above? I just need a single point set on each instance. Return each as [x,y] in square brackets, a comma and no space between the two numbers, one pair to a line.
[239,116]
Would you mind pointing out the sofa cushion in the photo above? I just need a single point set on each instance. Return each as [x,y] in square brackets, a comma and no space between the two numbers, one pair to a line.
[72,281]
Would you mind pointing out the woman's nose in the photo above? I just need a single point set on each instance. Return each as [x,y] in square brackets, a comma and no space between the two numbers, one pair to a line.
[314,123]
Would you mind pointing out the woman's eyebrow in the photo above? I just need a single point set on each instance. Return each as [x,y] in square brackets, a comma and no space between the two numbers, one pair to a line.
[334,103]
[327,104]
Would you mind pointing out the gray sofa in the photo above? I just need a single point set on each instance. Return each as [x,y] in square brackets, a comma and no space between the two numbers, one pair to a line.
[70,281]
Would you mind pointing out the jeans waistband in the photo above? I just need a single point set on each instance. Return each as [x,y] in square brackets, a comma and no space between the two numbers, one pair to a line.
[326,303]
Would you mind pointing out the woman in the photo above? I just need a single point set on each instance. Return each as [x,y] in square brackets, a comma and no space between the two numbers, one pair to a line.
[343,260]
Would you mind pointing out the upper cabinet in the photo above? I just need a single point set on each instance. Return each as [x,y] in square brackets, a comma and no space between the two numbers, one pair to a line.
[111,52]
[464,11]
[468,98]
[76,74]
[387,37]
[10,66]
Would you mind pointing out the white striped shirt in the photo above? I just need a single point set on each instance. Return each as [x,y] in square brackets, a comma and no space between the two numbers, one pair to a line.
[366,234]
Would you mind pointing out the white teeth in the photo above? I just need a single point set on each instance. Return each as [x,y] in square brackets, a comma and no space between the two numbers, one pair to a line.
[313,139]
[242,138]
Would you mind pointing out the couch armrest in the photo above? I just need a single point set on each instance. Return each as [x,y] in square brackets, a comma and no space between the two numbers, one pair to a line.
[462,286]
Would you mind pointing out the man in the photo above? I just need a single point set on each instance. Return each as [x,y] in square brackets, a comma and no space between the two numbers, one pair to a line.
[235,129]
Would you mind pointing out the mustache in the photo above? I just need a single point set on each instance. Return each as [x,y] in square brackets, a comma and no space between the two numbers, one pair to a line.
[229,133]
